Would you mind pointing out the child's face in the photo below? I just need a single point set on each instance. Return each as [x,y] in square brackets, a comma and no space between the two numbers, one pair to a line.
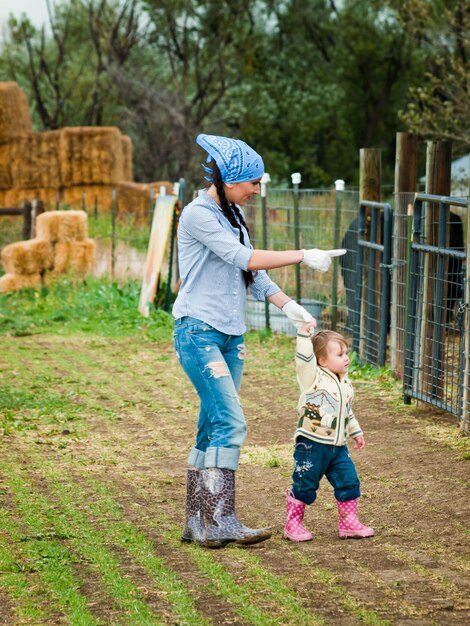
[337,359]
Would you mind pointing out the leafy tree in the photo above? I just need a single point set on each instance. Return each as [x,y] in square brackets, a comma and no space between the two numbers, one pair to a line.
[438,106]
[307,84]
[196,53]
[65,71]
[331,81]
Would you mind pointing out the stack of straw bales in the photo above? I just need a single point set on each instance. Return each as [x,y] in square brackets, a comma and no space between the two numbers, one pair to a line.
[139,198]
[15,119]
[91,156]
[15,122]
[61,244]
[25,263]
[76,166]
[127,150]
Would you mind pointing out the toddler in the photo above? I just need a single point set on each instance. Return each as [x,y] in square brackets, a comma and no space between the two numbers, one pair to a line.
[325,420]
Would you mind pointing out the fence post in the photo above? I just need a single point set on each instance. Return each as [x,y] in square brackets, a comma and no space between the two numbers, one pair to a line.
[38,208]
[27,220]
[438,168]
[113,231]
[296,178]
[406,172]
[370,171]
[339,188]
[264,219]
[465,415]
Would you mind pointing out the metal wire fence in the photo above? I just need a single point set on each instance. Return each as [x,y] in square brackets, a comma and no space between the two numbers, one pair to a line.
[427,341]
[435,354]
[291,219]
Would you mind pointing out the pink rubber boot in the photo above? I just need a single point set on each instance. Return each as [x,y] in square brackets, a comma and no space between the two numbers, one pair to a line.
[348,524]
[294,529]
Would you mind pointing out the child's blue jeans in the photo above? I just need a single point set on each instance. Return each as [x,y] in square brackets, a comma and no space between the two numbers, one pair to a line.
[314,460]
[213,361]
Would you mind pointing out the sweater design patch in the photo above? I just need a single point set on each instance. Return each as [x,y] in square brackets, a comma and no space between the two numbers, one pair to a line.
[320,406]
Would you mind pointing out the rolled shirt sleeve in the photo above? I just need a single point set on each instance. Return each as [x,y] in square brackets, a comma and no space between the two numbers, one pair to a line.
[263,286]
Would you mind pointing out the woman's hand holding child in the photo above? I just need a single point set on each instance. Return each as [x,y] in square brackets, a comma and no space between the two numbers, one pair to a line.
[309,327]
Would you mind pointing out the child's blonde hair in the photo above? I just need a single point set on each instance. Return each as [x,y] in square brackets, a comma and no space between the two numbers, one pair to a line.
[320,341]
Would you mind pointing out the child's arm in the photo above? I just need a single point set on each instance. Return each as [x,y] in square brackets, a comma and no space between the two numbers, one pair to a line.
[354,430]
[359,442]
[305,361]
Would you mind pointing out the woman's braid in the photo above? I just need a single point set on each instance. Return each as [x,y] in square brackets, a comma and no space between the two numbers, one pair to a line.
[232,213]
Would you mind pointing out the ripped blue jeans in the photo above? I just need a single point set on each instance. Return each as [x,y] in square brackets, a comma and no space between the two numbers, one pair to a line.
[213,362]
[314,460]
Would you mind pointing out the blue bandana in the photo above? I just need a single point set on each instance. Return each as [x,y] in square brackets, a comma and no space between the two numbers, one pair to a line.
[237,162]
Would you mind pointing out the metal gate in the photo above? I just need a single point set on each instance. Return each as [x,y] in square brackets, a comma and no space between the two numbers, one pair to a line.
[372,309]
[434,342]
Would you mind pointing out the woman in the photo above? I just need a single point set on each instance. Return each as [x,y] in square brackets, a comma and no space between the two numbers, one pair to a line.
[217,265]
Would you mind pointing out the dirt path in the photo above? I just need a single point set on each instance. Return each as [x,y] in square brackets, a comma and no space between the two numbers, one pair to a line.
[121,471]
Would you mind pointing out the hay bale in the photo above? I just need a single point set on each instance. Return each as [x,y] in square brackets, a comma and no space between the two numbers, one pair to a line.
[15,282]
[35,160]
[16,197]
[62,226]
[15,119]
[138,198]
[5,167]
[78,256]
[27,257]
[76,196]
[134,199]
[127,168]
[91,156]
[158,184]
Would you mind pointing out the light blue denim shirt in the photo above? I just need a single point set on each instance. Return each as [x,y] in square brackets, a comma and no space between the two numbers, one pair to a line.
[211,260]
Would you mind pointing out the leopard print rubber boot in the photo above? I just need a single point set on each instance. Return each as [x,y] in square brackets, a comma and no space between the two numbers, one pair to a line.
[218,502]
[194,530]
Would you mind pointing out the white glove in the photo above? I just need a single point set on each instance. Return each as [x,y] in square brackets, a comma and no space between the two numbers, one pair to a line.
[296,313]
[320,259]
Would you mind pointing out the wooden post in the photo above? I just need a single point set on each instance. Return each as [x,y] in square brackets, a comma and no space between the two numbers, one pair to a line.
[370,172]
[406,173]
[38,208]
[438,169]
[27,220]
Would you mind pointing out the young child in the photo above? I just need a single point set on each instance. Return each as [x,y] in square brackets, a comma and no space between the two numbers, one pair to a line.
[325,420]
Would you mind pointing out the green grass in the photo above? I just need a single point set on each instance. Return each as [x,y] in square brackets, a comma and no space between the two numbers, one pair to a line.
[243,596]
[84,543]
[99,306]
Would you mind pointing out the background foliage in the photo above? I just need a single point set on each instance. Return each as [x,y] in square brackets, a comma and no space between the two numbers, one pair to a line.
[307,83]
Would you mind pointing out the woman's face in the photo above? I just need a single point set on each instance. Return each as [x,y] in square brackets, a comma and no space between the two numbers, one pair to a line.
[241,193]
